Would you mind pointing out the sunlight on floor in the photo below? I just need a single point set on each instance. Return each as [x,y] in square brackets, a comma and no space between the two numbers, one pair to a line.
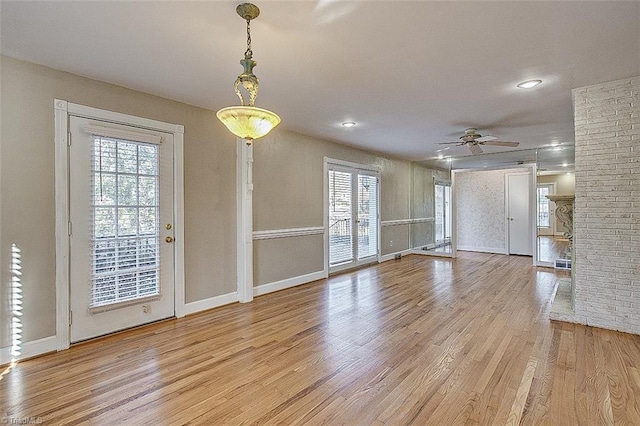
[16,308]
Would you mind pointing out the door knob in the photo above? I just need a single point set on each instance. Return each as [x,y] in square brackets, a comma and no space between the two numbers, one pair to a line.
[169,239]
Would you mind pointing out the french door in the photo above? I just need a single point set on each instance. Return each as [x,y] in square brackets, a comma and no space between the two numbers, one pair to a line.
[442,192]
[353,217]
[121,227]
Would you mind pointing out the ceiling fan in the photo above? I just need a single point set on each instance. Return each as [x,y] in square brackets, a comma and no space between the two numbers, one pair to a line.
[472,139]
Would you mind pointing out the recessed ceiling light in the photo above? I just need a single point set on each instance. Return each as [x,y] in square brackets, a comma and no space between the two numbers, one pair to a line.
[348,124]
[529,84]
[565,164]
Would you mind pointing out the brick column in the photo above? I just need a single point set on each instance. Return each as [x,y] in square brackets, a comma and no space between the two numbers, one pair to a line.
[607,205]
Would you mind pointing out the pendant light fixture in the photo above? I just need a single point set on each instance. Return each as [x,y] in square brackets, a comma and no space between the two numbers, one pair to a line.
[248,121]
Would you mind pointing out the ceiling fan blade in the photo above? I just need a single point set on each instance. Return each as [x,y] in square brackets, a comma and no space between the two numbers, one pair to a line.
[448,143]
[475,149]
[486,138]
[501,143]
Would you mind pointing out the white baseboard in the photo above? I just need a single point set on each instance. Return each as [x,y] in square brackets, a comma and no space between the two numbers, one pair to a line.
[210,303]
[431,253]
[482,249]
[29,350]
[392,256]
[287,283]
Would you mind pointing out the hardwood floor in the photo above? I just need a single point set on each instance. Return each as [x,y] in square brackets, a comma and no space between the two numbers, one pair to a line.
[422,341]
[551,248]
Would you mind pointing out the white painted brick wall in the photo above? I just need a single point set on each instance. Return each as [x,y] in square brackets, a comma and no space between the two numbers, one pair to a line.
[607,205]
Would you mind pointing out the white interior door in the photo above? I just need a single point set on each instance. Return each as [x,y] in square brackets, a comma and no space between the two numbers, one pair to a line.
[121,226]
[519,214]
[353,217]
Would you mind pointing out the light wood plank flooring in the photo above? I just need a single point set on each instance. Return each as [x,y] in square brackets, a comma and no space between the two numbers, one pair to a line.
[551,248]
[420,341]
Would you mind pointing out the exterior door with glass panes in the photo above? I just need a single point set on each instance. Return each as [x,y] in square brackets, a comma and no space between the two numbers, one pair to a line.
[546,210]
[442,224]
[353,217]
[121,213]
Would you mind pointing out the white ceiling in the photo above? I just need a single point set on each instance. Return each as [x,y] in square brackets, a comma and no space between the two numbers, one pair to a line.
[411,74]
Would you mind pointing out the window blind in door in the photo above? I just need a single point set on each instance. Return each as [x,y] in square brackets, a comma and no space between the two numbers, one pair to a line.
[367,216]
[340,217]
[125,227]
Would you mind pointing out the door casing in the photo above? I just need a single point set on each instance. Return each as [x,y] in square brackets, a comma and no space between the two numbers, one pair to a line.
[62,111]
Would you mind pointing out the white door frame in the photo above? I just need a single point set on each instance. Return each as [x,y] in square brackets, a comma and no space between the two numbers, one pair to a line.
[63,110]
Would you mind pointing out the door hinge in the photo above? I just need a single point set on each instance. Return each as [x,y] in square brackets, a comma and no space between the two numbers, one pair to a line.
[70,229]
[69,138]
[70,318]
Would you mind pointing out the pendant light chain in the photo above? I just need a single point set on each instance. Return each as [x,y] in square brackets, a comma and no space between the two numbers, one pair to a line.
[249,53]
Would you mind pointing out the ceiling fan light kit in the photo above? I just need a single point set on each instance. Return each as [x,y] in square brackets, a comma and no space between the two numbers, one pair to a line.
[247,121]
[472,139]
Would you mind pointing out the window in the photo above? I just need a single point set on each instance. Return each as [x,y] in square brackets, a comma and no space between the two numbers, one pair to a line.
[125,226]
[543,207]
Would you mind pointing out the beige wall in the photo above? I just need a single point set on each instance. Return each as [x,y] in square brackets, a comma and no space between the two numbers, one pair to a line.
[27,214]
[423,203]
[289,193]
[281,258]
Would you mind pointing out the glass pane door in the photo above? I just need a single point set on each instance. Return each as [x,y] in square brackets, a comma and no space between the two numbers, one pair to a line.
[340,215]
[125,236]
[543,207]
[367,216]
[442,217]
[439,210]
[121,208]
[443,213]
[353,199]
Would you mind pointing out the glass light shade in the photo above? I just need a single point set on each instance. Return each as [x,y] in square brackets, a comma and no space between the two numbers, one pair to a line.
[248,122]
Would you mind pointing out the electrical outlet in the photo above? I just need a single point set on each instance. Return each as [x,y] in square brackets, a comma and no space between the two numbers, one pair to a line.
[390,243]
[146,309]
